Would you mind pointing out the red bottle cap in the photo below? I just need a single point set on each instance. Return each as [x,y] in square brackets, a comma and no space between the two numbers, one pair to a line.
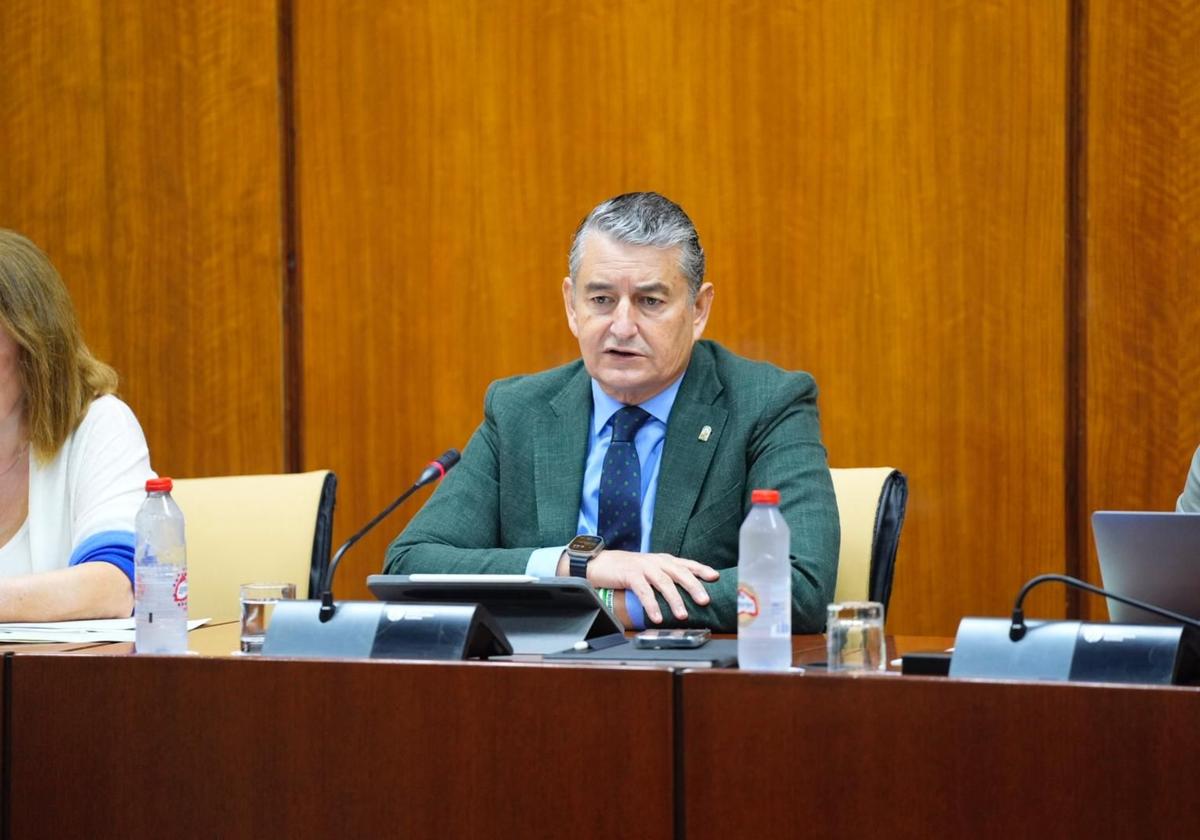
[765,497]
[160,485]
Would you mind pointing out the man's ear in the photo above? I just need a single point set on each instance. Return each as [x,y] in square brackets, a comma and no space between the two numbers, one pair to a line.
[702,306]
[568,290]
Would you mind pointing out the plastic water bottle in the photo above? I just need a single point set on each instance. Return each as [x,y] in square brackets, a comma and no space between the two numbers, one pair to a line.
[160,603]
[764,597]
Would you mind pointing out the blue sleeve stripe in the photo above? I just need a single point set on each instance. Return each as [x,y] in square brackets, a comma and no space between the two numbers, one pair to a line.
[114,547]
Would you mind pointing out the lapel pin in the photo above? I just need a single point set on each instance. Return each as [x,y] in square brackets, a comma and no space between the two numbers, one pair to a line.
[705,433]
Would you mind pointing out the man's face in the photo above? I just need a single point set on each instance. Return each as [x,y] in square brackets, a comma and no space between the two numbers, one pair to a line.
[633,316]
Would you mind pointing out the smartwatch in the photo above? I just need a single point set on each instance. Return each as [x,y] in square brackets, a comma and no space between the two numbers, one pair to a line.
[581,551]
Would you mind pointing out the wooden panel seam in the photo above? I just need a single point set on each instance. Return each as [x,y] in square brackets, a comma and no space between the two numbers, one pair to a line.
[292,320]
[1075,287]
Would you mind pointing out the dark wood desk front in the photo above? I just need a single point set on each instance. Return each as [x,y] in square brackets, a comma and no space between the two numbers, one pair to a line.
[7,652]
[103,743]
[209,746]
[899,757]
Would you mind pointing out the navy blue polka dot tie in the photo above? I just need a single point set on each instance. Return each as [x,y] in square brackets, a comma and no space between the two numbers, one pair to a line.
[621,484]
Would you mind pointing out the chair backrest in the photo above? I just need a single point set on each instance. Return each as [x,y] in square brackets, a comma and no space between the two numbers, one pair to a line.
[254,529]
[871,503]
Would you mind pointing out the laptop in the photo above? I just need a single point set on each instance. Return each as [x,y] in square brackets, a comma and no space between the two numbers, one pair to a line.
[1151,556]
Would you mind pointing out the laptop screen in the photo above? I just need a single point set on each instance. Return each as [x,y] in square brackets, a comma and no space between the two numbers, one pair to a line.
[1151,556]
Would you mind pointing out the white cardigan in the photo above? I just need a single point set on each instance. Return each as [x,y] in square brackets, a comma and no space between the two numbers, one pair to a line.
[90,493]
[1189,499]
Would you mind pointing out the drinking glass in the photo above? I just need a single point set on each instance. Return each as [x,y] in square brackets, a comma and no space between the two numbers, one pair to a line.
[854,637]
[258,603]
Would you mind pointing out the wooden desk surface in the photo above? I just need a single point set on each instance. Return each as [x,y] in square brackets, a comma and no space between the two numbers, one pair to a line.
[9,650]
[56,647]
[216,639]
[222,639]
[371,748]
[884,755]
[216,744]
[810,650]
[212,746]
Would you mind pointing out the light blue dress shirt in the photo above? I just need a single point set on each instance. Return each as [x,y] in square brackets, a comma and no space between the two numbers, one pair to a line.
[648,441]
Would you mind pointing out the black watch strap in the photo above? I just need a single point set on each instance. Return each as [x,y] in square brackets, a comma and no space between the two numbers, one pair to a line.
[579,564]
[580,552]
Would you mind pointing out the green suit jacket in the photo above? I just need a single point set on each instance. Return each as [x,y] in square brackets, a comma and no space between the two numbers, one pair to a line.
[518,485]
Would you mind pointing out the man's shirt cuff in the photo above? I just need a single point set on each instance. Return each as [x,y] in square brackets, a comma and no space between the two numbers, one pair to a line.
[633,607]
[543,562]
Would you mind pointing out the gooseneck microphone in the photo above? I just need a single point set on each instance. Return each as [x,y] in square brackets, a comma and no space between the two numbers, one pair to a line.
[431,473]
[1018,629]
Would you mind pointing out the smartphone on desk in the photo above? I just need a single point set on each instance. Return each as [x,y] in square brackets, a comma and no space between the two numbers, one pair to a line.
[671,639]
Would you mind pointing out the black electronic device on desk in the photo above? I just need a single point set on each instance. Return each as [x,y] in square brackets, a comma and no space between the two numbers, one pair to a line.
[719,653]
[537,615]
[673,639]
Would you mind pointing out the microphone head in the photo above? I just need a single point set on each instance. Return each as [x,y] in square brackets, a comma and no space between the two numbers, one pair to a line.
[448,459]
[437,469]
[1017,631]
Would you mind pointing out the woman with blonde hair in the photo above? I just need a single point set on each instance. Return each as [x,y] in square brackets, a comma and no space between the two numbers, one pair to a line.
[73,459]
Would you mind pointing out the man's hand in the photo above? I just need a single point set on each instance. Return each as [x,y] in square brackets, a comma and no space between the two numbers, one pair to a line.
[645,573]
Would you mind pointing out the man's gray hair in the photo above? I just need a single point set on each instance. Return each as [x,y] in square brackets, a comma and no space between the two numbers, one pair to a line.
[644,218]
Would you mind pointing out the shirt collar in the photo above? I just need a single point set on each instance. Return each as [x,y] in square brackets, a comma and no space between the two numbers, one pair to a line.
[658,406]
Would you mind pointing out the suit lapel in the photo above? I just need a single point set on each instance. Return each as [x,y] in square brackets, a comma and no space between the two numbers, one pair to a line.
[686,458]
[560,453]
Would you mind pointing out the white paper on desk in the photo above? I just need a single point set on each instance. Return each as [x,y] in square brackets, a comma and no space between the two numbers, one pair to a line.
[75,632]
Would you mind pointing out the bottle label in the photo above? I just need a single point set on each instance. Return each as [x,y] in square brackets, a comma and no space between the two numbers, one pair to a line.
[747,604]
[181,589]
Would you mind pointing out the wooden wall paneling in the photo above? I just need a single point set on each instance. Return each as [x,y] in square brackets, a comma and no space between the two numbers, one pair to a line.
[1143,257]
[902,173]
[879,188]
[142,152]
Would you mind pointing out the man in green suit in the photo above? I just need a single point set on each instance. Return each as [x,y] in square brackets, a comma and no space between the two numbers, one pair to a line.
[710,427]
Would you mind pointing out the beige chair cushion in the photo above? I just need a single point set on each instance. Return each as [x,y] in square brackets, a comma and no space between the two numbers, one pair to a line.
[246,529]
[858,492]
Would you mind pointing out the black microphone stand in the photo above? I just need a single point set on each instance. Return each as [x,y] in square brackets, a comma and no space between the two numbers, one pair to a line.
[1018,629]
[433,472]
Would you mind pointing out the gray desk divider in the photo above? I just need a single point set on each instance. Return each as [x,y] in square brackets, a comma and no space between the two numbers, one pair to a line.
[372,630]
[1075,651]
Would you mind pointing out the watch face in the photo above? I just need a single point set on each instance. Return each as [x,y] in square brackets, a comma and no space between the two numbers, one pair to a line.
[584,543]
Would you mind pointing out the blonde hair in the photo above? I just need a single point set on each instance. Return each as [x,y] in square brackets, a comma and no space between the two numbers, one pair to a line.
[59,374]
